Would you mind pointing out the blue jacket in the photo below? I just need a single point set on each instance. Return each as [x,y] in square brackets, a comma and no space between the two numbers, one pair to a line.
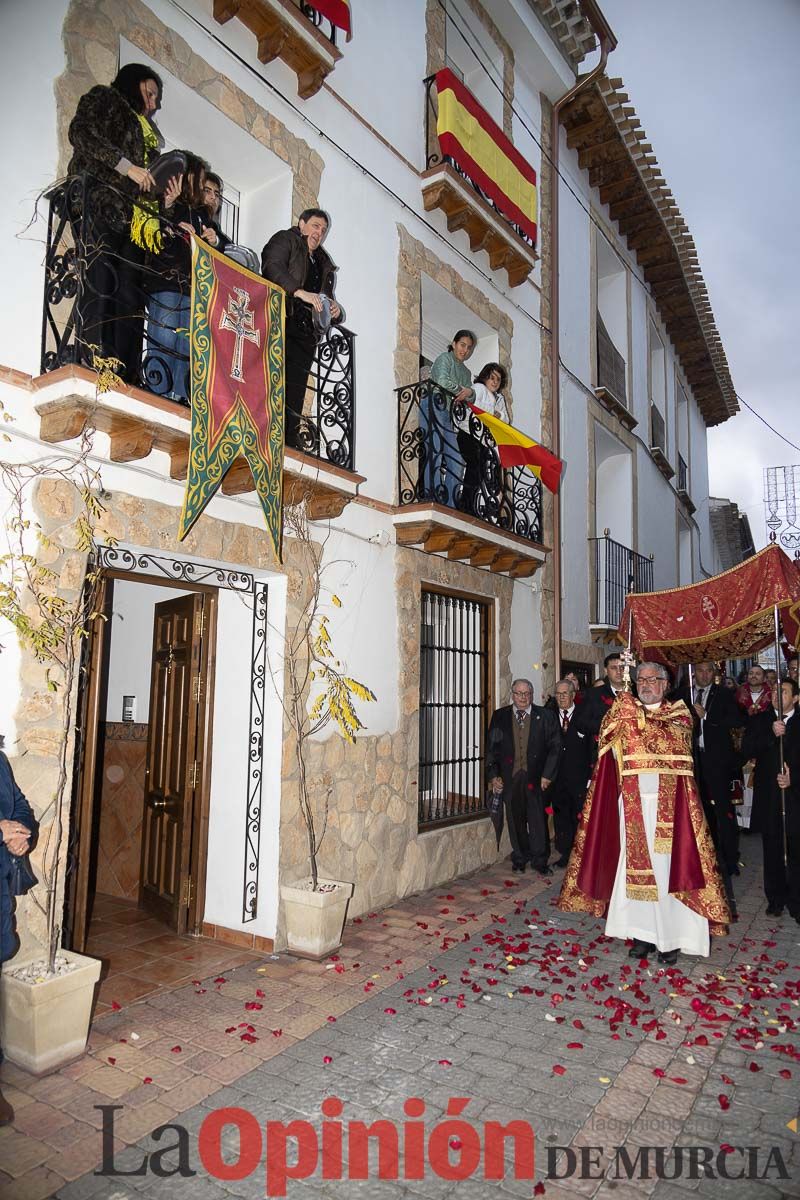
[13,807]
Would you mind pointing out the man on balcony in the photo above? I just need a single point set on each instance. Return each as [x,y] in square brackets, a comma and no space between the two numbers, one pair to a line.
[521,762]
[295,260]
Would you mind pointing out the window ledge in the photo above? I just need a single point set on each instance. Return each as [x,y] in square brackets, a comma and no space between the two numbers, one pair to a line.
[438,530]
[660,459]
[283,32]
[616,407]
[686,501]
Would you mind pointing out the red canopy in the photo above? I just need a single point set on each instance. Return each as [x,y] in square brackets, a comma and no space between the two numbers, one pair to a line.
[728,616]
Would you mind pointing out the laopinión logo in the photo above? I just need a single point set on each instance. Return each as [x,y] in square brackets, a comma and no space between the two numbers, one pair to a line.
[452,1149]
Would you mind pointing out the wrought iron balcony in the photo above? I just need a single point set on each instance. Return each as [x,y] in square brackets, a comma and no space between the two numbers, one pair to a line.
[617,571]
[448,463]
[71,289]
[448,185]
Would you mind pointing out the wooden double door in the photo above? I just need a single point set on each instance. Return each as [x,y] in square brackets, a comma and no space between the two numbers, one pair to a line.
[177,767]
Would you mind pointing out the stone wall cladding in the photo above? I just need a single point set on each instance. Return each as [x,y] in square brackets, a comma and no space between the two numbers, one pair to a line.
[91,43]
[372,833]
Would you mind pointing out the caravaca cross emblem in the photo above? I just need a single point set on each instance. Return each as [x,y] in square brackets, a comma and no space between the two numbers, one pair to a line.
[239,319]
[709,608]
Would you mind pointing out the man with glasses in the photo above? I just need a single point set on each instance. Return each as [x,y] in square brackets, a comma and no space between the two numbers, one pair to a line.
[522,755]
[643,853]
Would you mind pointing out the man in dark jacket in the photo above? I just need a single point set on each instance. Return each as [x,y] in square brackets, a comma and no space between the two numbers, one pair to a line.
[598,700]
[771,798]
[17,827]
[716,715]
[521,762]
[574,769]
[295,260]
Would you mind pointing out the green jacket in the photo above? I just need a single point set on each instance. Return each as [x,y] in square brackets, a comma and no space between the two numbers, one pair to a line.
[451,374]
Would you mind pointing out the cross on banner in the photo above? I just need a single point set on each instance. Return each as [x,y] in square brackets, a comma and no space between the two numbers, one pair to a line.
[239,319]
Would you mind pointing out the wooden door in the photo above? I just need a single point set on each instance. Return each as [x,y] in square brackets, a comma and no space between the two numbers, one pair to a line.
[172,769]
[90,697]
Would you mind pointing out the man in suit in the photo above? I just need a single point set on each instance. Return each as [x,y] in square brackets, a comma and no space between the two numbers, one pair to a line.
[716,715]
[599,699]
[574,769]
[521,762]
[774,794]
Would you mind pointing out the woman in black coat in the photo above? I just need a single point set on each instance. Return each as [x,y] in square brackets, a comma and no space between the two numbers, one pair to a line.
[114,139]
[18,827]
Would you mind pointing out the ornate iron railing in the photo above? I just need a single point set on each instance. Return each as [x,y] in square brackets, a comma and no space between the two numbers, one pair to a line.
[323,24]
[447,456]
[434,156]
[71,291]
[618,570]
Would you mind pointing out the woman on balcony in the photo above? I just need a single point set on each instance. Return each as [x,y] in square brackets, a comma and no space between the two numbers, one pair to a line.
[442,465]
[165,370]
[475,443]
[114,139]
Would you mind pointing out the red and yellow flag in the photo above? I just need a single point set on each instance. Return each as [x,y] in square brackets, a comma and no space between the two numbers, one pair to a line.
[337,12]
[469,136]
[237,373]
[515,449]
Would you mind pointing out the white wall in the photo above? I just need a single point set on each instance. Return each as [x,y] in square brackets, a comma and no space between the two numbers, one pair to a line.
[131,645]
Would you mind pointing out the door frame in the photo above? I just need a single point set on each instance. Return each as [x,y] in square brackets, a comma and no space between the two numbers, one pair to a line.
[99,643]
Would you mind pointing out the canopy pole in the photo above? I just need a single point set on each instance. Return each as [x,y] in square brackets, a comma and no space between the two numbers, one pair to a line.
[780,739]
[626,674]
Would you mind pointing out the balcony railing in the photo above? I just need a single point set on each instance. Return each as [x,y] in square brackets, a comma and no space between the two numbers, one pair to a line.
[323,24]
[434,156]
[446,456]
[71,291]
[618,570]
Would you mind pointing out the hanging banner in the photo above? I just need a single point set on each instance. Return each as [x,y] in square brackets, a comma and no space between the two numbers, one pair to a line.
[731,615]
[337,12]
[469,136]
[237,376]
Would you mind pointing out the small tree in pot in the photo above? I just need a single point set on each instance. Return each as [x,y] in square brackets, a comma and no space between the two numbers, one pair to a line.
[317,691]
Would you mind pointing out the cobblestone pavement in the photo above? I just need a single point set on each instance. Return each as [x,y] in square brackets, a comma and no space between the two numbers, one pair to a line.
[479,996]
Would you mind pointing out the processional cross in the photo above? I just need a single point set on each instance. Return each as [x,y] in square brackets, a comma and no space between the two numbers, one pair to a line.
[239,319]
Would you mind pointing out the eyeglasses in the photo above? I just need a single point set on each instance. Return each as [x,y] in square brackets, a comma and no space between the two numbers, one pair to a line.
[650,679]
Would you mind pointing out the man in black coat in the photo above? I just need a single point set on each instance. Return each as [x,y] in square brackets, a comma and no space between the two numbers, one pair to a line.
[716,715]
[598,700]
[770,799]
[523,749]
[574,769]
[295,260]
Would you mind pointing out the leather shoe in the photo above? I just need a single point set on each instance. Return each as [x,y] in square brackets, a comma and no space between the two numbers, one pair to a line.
[774,910]
[668,957]
[518,866]
[562,862]
[640,949]
[544,871]
[6,1111]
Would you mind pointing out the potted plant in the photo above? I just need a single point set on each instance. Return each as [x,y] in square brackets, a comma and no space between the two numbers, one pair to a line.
[316,691]
[47,995]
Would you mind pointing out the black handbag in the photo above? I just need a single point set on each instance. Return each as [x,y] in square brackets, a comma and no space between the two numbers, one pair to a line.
[21,879]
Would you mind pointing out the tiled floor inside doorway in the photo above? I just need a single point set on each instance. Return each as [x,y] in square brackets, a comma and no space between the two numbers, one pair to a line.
[142,955]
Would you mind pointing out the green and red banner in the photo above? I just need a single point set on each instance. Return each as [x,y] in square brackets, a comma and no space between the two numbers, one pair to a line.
[731,615]
[516,449]
[469,136]
[237,374]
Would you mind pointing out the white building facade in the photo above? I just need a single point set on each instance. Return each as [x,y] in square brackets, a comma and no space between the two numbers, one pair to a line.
[441,608]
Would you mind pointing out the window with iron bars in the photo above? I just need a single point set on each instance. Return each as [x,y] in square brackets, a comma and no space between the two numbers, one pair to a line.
[454,707]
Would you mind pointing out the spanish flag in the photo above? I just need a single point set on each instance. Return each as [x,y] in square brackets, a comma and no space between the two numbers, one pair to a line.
[469,136]
[515,449]
[337,12]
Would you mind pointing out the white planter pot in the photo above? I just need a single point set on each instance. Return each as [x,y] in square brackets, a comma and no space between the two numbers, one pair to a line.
[315,920]
[44,1025]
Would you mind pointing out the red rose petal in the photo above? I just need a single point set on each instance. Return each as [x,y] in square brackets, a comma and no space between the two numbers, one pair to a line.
[539,1189]
[676,1079]
[220,979]
[785,1073]
[277,1033]
[176,1049]
[727,1079]
[726,1148]
[445,1062]
[327,1059]
[659,1072]
[253,1006]
[116,1007]
[390,1012]
[112,1061]
[559,1070]
[754,1067]
[231,1029]
[724,1102]
[574,1045]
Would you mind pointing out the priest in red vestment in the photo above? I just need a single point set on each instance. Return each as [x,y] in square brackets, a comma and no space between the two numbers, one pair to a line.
[643,854]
